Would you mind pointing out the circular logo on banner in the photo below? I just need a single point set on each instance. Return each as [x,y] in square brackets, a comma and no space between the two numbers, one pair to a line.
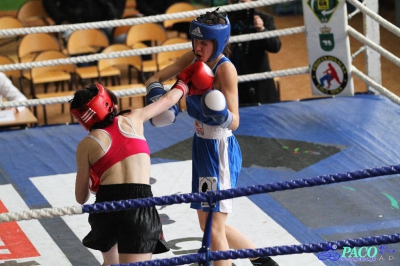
[329,75]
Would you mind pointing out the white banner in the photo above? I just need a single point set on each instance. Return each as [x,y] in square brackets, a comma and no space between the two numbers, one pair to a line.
[328,47]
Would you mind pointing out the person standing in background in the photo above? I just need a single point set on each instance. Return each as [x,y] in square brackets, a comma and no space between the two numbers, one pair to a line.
[251,57]
[151,8]
[81,11]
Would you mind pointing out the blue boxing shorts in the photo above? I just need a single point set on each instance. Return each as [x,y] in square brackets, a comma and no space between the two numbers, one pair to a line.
[136,230]
[216,164]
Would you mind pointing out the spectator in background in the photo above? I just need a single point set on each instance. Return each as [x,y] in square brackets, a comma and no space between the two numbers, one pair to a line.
[251,57]
[151,8]
[10,92]
[81,11]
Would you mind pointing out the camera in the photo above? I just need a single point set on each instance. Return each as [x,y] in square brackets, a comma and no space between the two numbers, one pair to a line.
[242,21]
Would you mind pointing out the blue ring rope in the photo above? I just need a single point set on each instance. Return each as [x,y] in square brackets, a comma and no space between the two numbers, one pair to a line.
[271,251]
[204,256]
[239,192]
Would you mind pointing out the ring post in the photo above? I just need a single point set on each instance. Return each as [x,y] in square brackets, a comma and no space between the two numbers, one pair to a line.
[206,243]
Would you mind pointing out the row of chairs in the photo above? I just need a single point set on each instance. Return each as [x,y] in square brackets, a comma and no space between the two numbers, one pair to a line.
[71,74]
[171,25]
[32,13]
[83,42]
[47,46]
[89,41]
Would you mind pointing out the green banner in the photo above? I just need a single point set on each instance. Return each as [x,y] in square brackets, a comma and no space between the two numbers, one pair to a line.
[9,5]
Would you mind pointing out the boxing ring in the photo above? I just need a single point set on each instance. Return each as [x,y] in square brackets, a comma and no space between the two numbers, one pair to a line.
[320,179]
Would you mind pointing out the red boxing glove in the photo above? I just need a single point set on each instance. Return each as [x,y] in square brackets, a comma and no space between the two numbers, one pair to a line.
[94,182]
[201,77]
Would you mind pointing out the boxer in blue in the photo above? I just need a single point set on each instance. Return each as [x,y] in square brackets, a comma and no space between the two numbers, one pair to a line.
[209,81]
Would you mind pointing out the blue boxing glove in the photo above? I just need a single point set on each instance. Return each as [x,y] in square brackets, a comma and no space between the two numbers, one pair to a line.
[155,91]
[213,105]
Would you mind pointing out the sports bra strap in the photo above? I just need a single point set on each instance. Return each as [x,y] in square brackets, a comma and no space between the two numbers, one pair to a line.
[98,141]
[132,126]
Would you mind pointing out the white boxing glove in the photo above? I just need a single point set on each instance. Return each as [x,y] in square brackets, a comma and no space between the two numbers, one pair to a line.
[213,105]
[155,91]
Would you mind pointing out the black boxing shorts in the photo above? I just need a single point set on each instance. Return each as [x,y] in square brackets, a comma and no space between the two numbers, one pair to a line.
[135,230]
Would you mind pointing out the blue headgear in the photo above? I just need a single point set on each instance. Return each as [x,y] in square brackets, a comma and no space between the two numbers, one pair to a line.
[218,33]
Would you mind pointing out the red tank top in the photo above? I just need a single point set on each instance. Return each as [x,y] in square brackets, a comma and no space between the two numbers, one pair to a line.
[121,147]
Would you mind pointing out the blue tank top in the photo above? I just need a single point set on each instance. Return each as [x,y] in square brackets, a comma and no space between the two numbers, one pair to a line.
[193,102]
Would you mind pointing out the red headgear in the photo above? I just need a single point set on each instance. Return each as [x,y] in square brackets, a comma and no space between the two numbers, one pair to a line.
[95,110]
